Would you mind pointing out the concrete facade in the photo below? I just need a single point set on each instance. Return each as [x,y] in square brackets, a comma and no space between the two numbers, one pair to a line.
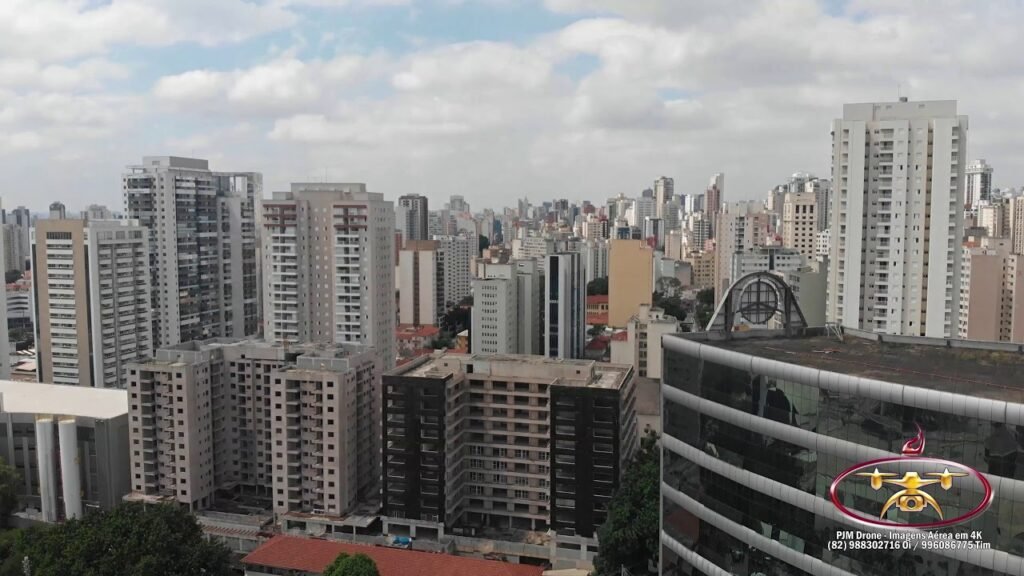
[630,279]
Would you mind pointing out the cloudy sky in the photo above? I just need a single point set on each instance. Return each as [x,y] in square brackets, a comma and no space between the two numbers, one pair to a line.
[491,99]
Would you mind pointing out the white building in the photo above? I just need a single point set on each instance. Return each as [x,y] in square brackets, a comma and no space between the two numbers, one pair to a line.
[809,285]
[93,314]
[766,259]
[457,269]
[565,313]
[978,178]
[595,259]
[823,246]
[897,223]
[642,209]
[800,222]
[421,279]
[495,314]
[202,226]
[664,191]
[739,227]
[328,257]
[534,247]
[641,347]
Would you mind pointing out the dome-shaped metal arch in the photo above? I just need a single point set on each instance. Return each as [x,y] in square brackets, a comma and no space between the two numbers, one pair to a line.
[733,306]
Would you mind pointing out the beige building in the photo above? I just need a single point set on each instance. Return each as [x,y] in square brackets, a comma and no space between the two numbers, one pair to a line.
[642,346]
[630,279]
[800,223]
[740,227]
[994,218]
[992,292]
[93,311]
[295,427]
[420,283]
[703,264]
[329,267]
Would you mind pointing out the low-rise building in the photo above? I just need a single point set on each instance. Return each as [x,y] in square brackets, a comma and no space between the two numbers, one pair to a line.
[641,346]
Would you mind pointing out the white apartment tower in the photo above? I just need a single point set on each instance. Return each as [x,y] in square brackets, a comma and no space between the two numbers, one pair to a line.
[92,293]
[495,315]
[329,267]
[204,250]
[800,222]
[978,176]
[565,312]
[457,270]
[898,189]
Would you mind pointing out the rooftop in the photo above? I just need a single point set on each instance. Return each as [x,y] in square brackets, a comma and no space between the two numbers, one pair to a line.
[564,372]
[408,331]
[62,400]
[314,555]
[984,369]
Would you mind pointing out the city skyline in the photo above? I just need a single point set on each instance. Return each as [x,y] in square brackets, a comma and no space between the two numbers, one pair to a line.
[437,98]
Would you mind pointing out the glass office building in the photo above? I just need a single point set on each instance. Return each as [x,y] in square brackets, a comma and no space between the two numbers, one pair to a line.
[757,425]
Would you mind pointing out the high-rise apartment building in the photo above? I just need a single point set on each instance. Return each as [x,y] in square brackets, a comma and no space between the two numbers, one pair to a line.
[21,218]
[92,294]
[565,313]
[542,444]
[418,223]
[994,218]
[595,259]
[992,292]
[5,360]
[293,426]
[1013,219]
[630,279]
[898,173]
[800,222]
[978,180]
[458,204]
[328,251]
[714,197]
[642,346]
[664,191]
[58,211]
[203,246]
[740,227]
[495,315]
[458,253]
[642,209]
[421,269]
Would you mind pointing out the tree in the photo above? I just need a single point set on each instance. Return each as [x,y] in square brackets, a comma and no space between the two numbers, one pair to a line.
[668,285]
[597,330]
[630,535]
[357,565]
[598,287]
[12,276]
[334,569]
[132,539]
[484,243]
[8,491]
[706,297]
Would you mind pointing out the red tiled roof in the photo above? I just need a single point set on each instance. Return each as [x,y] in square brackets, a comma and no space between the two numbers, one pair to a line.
[597,344]
[408,331]
[595,319]
[597,299]
[621,336]
[314,555]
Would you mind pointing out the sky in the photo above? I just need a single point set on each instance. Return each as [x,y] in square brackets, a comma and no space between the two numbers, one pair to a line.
[490,99]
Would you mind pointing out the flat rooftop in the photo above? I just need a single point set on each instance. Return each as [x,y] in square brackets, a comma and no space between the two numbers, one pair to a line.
[984,369]
[62,400]
[584,373]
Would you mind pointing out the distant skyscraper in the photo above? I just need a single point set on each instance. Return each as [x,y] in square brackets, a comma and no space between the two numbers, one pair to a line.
[642,209]
[898,173]
[58,211]
[565,313]
[93,307]
[329,267]
[715,195]
[202,241]
[664,191]
[978,176]
[741,226]
[800,222]
[5,353]
[418,221]
[458,204]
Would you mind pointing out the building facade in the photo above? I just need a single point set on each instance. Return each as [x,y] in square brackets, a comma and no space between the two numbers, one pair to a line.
[630,279]
[898,174]
[978,176]
[421,270]
[93,313]
[992,292]
[417,213]
[329,268]
[515,442]
[495,315]
[203,246]
[800,222]
[565,311]
[642,346]
[756,428]
[292,426]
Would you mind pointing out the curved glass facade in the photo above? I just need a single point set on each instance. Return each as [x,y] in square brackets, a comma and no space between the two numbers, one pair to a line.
[748,460]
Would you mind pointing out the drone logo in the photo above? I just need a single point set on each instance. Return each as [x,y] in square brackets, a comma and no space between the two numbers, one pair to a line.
[911,497]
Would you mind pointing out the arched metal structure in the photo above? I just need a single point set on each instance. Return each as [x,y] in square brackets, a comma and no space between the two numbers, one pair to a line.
[756,298]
